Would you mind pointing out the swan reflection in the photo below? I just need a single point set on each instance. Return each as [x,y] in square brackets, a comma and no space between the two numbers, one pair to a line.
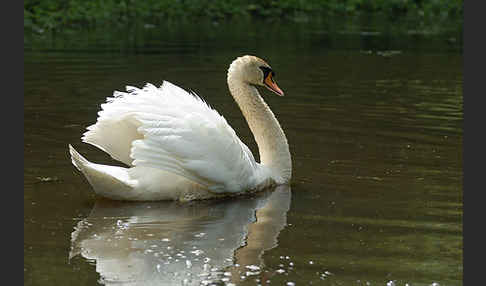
[168,243]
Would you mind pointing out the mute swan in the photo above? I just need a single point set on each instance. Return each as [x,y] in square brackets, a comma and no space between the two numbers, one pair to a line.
[179,148]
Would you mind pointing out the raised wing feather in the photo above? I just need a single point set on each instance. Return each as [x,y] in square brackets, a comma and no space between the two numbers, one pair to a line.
[178,132]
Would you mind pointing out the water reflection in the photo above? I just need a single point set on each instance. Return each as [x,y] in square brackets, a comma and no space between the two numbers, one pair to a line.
[168,243]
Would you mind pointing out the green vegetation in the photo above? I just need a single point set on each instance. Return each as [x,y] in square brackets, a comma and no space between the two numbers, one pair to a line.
[41,15]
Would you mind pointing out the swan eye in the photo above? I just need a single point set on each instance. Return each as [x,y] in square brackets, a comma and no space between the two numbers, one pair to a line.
[266,72]
[268,81]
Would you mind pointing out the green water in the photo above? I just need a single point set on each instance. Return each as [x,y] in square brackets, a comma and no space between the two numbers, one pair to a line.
[374,122]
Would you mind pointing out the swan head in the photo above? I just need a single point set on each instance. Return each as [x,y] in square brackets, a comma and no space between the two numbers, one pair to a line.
[255,71]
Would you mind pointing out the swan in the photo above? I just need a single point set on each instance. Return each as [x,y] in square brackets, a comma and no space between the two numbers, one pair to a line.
[177,147]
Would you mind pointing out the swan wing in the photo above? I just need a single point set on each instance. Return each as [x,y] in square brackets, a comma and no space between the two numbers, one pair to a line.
[173,130]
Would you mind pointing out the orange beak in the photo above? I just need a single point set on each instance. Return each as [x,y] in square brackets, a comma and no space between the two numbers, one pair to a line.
[272,85]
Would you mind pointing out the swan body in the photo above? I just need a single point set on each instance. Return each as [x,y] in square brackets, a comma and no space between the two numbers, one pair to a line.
[177,147]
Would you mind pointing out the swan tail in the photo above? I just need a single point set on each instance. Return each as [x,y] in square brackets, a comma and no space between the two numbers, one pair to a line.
[78,161]
[108,181]
[137,183]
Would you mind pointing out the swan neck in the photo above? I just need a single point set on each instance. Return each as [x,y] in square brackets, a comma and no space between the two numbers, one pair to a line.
[269,136]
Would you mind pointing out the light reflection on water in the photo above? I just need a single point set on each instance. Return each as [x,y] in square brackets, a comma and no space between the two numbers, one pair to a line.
[166,243]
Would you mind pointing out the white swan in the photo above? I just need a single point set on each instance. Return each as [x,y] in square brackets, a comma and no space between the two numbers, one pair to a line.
[179,148]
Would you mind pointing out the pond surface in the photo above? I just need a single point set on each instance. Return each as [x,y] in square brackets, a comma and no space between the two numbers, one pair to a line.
[374,122]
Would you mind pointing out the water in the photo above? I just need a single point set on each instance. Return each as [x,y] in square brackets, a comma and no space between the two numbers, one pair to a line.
[374,121]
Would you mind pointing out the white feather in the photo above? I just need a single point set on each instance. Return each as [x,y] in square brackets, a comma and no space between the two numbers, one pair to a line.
[170,129]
